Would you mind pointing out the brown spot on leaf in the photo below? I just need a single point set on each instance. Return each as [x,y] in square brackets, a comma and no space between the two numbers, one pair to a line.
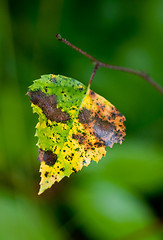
[92,93]
[80,89]
[84,116]
[62,169]
[83,140]
[48,104]
[46,174]
[73,169]
[106,124]
[99,144]
[103,130]
[48,157]
[79,137]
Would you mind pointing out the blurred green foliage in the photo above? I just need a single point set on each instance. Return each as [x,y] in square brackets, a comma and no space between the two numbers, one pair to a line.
[122,196]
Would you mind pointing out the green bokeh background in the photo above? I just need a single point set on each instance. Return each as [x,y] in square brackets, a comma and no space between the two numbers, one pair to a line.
[121,197]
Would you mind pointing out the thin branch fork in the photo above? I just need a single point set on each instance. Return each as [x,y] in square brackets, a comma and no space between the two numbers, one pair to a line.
[98,64]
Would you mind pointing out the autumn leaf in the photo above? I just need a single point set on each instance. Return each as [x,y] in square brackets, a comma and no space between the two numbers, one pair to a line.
[75,125]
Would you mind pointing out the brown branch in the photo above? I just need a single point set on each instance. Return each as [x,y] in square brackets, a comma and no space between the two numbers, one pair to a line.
[143,75]
[58,36]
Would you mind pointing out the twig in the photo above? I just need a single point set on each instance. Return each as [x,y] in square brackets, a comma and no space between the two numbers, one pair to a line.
[58,36]
[143,75]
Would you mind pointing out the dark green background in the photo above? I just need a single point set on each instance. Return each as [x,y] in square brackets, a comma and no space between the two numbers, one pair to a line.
[121,197]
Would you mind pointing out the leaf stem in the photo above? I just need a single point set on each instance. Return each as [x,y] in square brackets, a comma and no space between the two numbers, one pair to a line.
[143,75]
[93,74]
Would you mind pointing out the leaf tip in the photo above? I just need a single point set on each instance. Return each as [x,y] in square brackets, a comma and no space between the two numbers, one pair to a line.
[40,192]
[42,189]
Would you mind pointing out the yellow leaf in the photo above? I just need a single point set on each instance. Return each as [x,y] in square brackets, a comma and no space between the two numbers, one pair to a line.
[75,125]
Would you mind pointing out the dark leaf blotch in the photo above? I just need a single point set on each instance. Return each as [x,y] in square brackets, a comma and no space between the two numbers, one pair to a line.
[48,104]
